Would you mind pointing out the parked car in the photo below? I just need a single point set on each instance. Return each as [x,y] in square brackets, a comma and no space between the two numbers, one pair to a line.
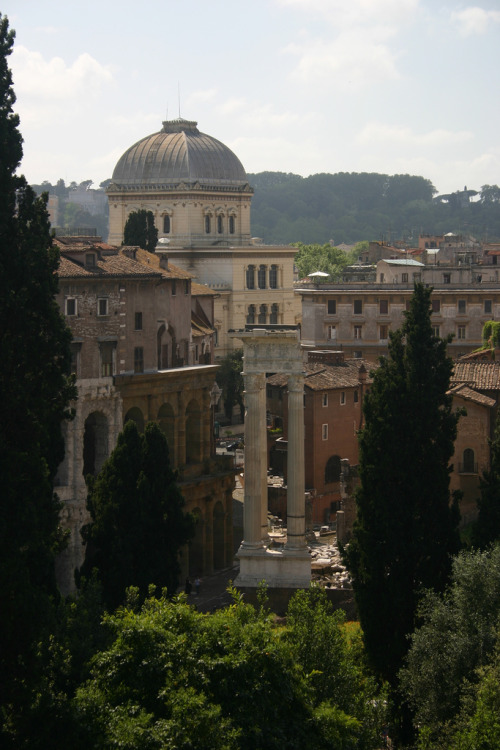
[235,445]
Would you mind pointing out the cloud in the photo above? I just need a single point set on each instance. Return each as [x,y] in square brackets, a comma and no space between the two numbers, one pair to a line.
[376,132]
[204,95]
[54,80]
[474,20]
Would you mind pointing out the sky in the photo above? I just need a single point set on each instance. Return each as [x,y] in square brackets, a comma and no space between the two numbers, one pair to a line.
[302,86]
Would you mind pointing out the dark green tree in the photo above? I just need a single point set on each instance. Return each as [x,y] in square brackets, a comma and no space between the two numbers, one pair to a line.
[34,396]
[230,379]
[138,524]
[406,527]
[487,527]
[140,230]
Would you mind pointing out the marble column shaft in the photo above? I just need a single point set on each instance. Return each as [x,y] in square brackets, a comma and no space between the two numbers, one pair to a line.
[296,521]
[255,430]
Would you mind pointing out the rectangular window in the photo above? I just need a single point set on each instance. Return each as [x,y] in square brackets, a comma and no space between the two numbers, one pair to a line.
[332,307]
[342,398]
[75,359]
[446,278]
[138,321]
[461,332]
[102,306]
[435,331]
[384,332]
[174,287]
[186,286]
[358,354]
[138,359]
[356,397]
[404,278]
[71,307]
[436,305]
[324,399]
[384,306]
[462,306]
[250,277]
[417,277]
[487,307]
[358,306]
[107,353]
[324,432]
[358,330]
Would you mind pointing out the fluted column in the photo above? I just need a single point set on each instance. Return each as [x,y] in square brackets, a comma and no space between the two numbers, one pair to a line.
[296,519]
[255,426]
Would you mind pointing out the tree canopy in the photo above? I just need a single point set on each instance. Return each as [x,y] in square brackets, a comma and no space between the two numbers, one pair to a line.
[349,207]
[406,527]
[230,379]
[138,523]
[140,230]
[324,258]
[35,393]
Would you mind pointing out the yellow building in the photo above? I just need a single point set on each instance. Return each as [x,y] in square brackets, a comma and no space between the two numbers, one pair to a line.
[199,194]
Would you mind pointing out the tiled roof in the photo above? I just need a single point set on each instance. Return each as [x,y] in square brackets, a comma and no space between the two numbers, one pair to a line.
[484,376]
[200,290]
[321,377]
[115,265]
[468,394]
[153,261]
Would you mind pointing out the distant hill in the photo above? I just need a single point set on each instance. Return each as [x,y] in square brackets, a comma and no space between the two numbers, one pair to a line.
[349,207]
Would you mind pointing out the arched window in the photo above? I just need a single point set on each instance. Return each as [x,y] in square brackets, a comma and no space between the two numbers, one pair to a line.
[273,277]
[231,225]
[263,314]
[332,469]
[468,461]
[251,277]
[262,277]
[273,318]
[207,225]
[251,314]
[219,225]
[166,224]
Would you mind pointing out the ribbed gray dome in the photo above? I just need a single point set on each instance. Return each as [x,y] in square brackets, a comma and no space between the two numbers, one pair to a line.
[179,153]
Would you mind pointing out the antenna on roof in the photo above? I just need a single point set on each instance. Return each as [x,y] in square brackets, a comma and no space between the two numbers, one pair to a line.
[179,98]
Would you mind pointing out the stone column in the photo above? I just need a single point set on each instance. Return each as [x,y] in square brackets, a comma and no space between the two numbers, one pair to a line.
[296,524]
[264,531]
[252,513]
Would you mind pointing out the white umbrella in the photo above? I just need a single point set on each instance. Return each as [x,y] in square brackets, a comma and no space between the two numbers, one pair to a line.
[318,273]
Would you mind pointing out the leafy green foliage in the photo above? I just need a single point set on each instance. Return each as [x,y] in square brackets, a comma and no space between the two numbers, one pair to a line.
[230,379]
[35,392]
[323,258]
[140,230]
[457,636]
[406,529]
[175,678]
[138,524]
[491,334]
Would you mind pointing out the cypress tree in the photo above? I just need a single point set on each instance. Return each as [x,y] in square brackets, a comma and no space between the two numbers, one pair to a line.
[140,230]
[138,525]
[34,394]
[406,527]
[487,527]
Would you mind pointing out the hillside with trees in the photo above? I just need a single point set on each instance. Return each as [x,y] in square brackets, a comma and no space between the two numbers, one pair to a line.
[352,207]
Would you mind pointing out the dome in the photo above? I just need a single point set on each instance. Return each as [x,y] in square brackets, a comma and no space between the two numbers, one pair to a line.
[179,153]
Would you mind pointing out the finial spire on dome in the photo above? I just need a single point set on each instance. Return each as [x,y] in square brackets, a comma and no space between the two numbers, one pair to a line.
[179,125]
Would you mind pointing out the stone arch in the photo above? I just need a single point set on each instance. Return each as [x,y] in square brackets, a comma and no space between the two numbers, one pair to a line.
[136,415]
[194,421]
[218,523]
[332,470]
[95,443]
[166,420]
[196,545]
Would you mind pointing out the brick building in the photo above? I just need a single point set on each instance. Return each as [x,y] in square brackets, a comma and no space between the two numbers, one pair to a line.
[134,358]
[334,389]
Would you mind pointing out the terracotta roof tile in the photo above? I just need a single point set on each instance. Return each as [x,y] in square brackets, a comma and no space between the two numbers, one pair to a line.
[469,394]
[321,377]
[483,376]
[111,266]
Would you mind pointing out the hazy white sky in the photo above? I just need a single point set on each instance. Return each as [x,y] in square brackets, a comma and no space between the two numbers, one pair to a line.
[304,86]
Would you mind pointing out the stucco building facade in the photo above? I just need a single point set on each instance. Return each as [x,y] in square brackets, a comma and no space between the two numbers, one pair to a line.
[199,194]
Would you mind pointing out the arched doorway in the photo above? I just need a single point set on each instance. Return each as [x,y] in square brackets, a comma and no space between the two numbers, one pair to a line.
[193,432]
[218,536]
[196,545]
[135,414]
[166,420]
[95,443]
